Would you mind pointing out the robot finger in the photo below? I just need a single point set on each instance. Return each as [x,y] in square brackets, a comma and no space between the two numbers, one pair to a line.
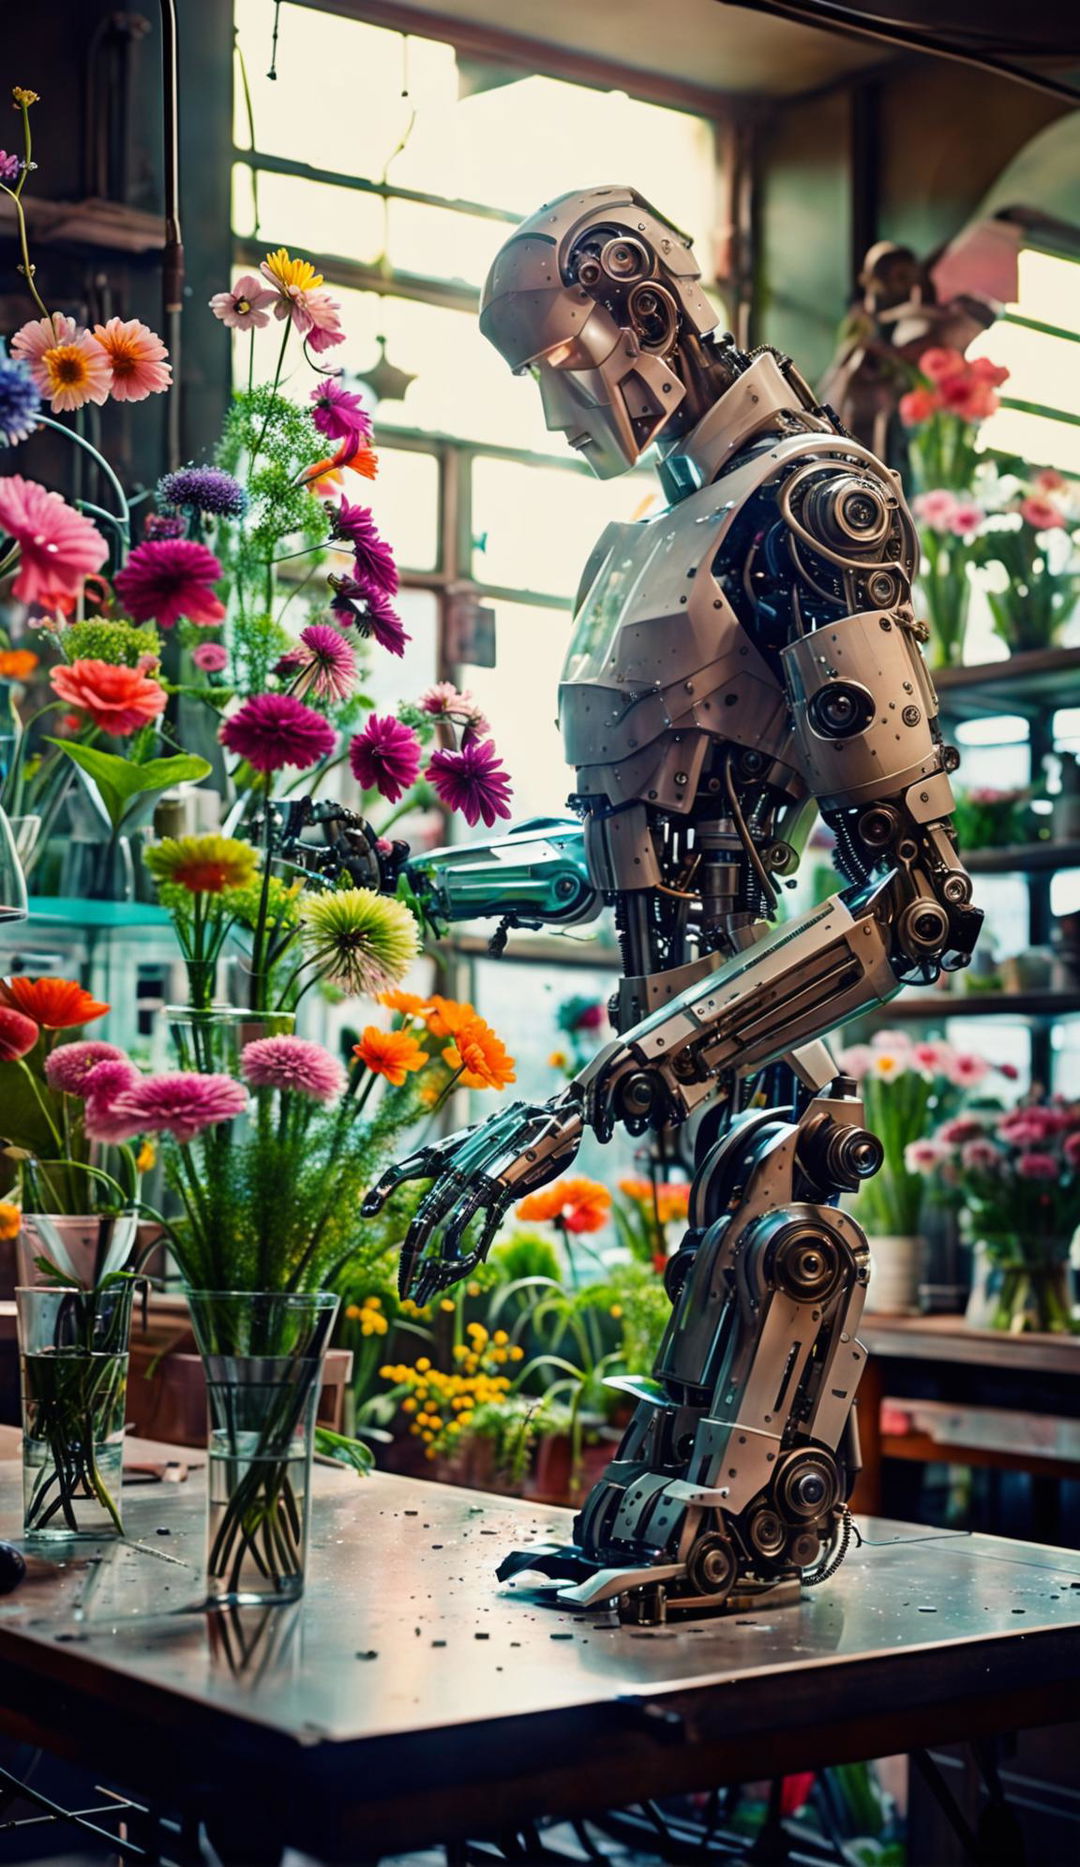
[423,1165]
[472,1201]
[428,1220]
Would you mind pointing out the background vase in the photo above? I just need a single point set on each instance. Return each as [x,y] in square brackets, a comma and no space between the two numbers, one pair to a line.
[86,1247]
[73,1359]
[263,1354]
[1021,1286]
[211,1040]
[896,1264]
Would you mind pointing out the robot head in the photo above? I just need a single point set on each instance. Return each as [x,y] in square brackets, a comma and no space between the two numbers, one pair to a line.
[594,294]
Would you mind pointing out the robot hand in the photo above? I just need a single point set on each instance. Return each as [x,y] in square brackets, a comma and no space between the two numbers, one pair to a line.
[476,1174]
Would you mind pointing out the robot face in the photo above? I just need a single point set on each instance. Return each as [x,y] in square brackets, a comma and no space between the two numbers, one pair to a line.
[592,295]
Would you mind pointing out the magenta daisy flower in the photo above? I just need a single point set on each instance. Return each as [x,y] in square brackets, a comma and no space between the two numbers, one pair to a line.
[181,1103]
[374,559]
[474,781]
[272,730]
[385,757]
[373,613]
[294,1064]
[340,415]
[322,663]
[68,1068]
[167,578]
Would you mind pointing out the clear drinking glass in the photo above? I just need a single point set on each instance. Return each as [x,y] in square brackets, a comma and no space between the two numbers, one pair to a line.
[263,1354]
[73,1364]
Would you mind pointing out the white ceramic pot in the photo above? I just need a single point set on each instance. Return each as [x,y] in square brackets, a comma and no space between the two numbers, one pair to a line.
[896,1268]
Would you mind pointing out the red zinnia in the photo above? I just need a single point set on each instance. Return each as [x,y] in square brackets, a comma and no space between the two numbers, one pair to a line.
[167,578]
[272,730]
[56,1004]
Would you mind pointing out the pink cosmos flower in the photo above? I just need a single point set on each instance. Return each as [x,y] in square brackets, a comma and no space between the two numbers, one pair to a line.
[473,781]
[68,1069]
[372,612]
[323,663]
[101,1087]
[385,757]
[924,1156]
[935,508]
[1035,1166]
[242,308]
[917,406]
[292,1063]
[18,1034]
[338,414]
[136,357]
[982,1156]
[272,730]
[933,1056]
[966,519]
[167,578]
[210,657]
[1041,515]
[938,363]
[444,702]
[181,1103]
[967,1070]
[58,547]
[324,328]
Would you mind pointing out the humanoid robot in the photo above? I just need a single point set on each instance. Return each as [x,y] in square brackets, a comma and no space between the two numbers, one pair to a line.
[748,655]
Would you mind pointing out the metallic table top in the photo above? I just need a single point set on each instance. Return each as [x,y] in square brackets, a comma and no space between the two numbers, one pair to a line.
[406,1665]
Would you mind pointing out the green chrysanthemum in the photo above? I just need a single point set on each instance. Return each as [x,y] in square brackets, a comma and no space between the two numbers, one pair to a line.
[118,642]
[359,940]
[282,903]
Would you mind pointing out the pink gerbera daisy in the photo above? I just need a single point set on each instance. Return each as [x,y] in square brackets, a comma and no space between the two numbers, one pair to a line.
[272,730]
[136,357]
[322,663]
[58,547]
[292,1063]
[242,308]
[75,373]
[181,1103]
[385,757]
[167,578]
[31,340]
[474,781]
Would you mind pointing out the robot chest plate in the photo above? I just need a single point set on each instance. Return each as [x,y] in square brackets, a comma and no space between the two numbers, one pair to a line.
[658,655]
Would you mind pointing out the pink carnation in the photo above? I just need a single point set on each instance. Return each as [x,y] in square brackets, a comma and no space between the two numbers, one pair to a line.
[273,730]
[210,657]
[962,1128]
[294,1064]
[181,1103]
[1041,514]
[966,519]
[70,1066]
[983,1157]
[1034,1166]
[966,1070]
[936,508]
[924,1156]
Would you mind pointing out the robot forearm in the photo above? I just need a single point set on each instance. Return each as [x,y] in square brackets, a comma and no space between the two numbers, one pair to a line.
[535,876]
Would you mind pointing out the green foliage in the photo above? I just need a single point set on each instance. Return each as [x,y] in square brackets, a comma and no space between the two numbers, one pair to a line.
[120,782]
[525,1255]
[637,1291]
[121,643]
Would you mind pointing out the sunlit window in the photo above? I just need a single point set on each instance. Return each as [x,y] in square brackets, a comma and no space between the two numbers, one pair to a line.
[1038,339]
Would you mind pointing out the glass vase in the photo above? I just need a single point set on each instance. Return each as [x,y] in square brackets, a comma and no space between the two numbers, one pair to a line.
[83,1249]
[1021,1286]
[210,1041]
[263,1354]
[73,1363]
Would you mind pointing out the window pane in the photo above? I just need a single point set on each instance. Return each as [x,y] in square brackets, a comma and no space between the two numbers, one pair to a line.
[308,217]
[1043,369]
[520,696]
[405,501]
[534,527]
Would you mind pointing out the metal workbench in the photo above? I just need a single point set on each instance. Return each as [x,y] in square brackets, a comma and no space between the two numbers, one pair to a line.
[408,1699]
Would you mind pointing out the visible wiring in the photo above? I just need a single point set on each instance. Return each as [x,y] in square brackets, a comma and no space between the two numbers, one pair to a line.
[745,838]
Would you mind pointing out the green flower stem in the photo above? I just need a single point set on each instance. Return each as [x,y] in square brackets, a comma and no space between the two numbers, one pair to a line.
[259,979]
[123,520]
[41,1102]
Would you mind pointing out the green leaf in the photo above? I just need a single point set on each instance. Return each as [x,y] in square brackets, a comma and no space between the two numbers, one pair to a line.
[120,782]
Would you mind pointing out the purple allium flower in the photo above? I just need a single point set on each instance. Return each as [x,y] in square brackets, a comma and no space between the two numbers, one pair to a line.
[445,702]
[70,1066]
[157,525]
[167,578]
[182,1103]
[204,489]
[339,414]
[210,657]
[323,663]
[9,168]
[20,400]
[474,781]
[365,604]
[272,730]
[292,1063]
[374,559]
[385,757]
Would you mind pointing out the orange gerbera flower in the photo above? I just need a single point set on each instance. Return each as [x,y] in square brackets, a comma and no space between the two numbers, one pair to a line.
[17,664]
[482,1058]
[393,1054]
[579,1205]
[671,1200]
[56,1004]
[409,1004]
[447,1016]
